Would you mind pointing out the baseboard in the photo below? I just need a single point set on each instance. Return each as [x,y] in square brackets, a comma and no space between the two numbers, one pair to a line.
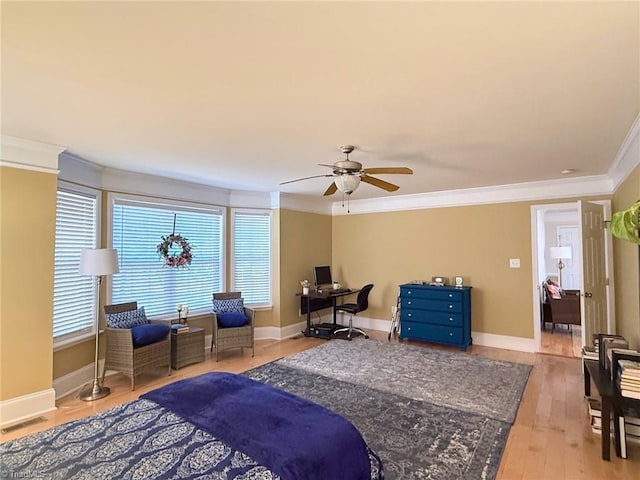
[518,344]
[72,381]
[277,333]
[505,342]
[28,406]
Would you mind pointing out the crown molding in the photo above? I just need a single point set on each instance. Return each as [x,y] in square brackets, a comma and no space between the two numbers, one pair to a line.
[518,192]
[249,199]
[123,181]
[628,156]
[305,203]
[29,155]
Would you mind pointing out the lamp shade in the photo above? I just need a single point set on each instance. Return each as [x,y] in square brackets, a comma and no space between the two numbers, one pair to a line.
[347,183]
[98,261]
[560,252]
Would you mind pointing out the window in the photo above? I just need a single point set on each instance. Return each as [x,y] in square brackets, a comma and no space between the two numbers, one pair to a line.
[251,265]
[138,227]
[74,295]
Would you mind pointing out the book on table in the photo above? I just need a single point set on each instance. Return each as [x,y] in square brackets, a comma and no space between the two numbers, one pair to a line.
[628,375]
[179,328]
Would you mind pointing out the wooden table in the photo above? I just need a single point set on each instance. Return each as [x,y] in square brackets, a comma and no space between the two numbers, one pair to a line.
[602,380]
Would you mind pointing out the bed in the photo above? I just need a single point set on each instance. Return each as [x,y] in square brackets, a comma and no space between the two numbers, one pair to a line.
[215,426]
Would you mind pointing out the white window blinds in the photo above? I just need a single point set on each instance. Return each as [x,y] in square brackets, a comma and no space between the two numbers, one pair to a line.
[74,295]
[251,254]
[138,228]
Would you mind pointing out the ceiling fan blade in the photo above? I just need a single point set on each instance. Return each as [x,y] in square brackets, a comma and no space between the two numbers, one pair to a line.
[333,188]
[376,182]
[403,170]
[305,178]
[326,165]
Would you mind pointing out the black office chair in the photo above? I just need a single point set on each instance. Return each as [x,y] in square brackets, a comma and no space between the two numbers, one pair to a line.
[353,309]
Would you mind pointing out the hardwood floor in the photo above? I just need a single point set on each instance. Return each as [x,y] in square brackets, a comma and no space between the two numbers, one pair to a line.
[550,439]
[563,340]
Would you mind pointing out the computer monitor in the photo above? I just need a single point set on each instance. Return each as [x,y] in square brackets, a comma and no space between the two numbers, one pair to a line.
[322,275]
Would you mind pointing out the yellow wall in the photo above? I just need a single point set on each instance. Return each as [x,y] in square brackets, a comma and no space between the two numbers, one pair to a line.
[625,254]
[305,241]
[475,242]
[27,240]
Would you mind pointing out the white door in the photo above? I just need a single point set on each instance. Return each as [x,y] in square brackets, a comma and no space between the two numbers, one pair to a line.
[593,298]
[569,236]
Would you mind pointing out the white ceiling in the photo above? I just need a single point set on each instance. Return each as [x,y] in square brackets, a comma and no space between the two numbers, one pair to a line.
[247,95]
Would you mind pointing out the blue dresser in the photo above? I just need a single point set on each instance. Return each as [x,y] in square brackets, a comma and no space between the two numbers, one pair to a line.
[436,314]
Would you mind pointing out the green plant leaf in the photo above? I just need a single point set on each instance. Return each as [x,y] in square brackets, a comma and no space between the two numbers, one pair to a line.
[625,224]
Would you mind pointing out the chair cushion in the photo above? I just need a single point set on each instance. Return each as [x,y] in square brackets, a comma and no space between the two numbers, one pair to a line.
[231,305]
[127,319]
[231,319]
[554,290]
[148,333]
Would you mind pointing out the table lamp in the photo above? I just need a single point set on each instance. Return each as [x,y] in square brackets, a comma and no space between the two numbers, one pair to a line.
[560,253]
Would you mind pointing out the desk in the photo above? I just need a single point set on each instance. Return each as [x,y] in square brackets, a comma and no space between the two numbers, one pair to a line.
[324,294]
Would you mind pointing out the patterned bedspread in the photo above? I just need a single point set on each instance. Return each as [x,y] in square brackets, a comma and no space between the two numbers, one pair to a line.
[137,440]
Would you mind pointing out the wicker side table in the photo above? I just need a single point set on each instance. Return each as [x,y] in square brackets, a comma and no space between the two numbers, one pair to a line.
[187,347]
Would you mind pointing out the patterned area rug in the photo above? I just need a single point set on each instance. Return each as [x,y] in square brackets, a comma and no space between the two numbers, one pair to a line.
[428,414]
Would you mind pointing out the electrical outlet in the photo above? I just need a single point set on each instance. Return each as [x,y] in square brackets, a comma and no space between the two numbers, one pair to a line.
[514,263]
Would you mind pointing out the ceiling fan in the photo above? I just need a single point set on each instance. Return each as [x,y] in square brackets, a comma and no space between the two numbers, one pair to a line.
[348,174]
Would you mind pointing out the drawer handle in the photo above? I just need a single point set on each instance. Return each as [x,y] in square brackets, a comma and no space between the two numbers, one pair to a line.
[408,292]
[408,314]
[450,306]
[451,319]
[409,328]
[409,302]
[451,334]
[451,295]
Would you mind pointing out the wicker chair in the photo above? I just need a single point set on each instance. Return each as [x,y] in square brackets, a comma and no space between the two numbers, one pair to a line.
[123,357]
[232,337]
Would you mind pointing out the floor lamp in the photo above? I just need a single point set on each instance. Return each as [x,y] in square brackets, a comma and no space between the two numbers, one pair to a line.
[97,262]
[559,253]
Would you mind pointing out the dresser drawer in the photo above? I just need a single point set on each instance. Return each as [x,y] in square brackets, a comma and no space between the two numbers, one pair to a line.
[437,318]
[428,304]
[431,293]
[435,333]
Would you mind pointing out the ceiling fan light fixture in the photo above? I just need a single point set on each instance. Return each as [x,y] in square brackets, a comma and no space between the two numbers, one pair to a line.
[347,183]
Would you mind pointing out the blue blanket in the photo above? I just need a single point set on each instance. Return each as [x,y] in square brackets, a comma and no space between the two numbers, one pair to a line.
[293,437]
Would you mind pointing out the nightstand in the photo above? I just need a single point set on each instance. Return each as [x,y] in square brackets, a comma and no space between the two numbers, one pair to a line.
[187,347]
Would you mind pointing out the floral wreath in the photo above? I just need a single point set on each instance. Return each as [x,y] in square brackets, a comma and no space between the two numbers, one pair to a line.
[181,259]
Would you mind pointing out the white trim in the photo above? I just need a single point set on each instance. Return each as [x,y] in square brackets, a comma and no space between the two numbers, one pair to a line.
[479,338]
[79,171]
[519,344]
[520,192]
[53,171]
[72,381]
[305,203]
[628,156]
[21,408]
[27,154]
[249,199]
[164,188]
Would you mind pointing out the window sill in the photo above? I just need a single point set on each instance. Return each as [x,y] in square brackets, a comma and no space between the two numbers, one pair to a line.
[260,308]
[72,341]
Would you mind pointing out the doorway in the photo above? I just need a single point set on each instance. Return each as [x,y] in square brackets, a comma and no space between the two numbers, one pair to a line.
[559,225]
